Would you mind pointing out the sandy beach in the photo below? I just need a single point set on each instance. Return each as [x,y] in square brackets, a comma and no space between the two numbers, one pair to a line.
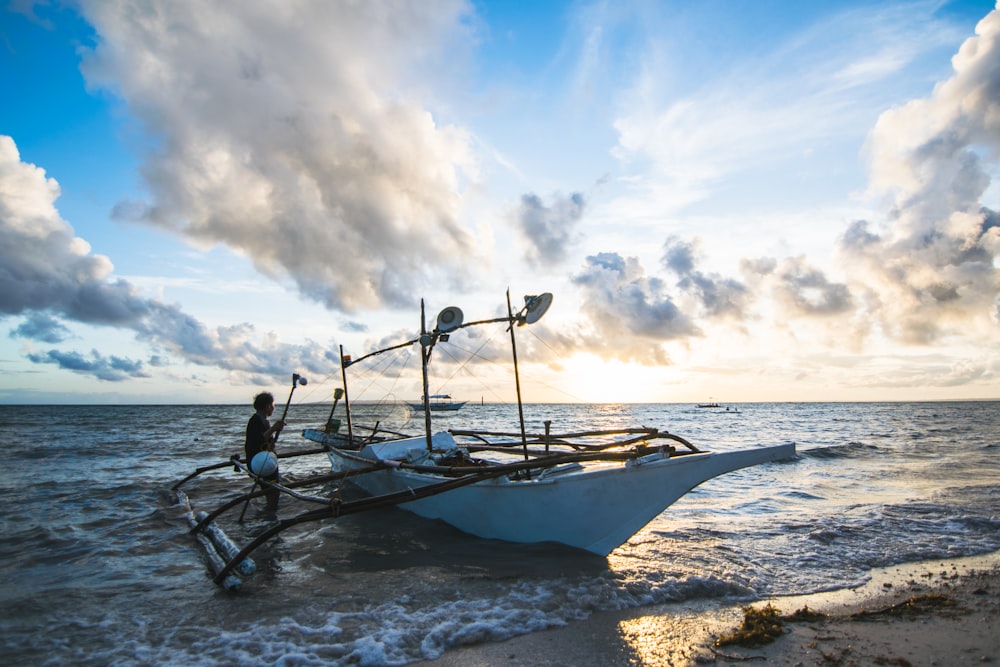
[932,613]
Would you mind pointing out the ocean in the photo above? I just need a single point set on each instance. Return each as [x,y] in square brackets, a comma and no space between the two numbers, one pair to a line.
[97,567]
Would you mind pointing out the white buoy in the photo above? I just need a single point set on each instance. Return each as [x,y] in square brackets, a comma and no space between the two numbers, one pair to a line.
[264,464]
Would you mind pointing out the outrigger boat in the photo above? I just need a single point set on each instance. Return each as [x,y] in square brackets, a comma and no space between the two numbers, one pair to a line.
[590,490]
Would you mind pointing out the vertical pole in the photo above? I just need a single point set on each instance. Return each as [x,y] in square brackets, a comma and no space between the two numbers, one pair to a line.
[247,503]
[517,378]
[426,344]
[337,393]
[295,381]
[284,415]
[347,402]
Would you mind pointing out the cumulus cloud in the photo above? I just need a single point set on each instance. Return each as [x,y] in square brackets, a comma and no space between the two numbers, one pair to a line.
[41,327]
[931,269]
[110,369]
[49,275]
[717,295]
[805,290]
[45,265]
[288,132]
[548,230]
[628,313]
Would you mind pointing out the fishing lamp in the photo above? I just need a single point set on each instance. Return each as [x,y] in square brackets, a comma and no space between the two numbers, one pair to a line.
[534,308]
[450,319]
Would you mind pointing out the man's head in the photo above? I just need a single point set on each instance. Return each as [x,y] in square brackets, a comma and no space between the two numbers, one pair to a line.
[263,401]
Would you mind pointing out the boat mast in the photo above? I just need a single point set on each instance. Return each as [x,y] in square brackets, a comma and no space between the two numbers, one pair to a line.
[517,375]
[451,319]
[344,363]
[426,345]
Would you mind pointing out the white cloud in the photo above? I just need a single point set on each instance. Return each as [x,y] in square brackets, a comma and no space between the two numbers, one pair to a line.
[292,132]
[50,276]
[628,314]
[933,271]
[548,231]
[687,134]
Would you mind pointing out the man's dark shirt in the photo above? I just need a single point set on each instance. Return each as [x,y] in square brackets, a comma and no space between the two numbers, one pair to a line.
[256,442]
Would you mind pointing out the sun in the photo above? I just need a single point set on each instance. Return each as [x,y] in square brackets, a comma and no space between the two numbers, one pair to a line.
[586,378]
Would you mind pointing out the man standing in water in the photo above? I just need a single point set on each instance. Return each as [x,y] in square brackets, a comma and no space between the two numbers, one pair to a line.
[261,436]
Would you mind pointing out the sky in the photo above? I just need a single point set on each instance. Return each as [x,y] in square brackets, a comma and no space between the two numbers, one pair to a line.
[758,201]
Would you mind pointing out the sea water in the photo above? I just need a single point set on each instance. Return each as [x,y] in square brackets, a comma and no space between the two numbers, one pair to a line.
[97,567]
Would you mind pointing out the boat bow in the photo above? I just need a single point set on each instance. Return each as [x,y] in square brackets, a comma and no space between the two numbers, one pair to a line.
[590,501]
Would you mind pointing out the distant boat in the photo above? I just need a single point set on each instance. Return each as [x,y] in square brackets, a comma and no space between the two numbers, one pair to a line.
[709,405]
[438,403]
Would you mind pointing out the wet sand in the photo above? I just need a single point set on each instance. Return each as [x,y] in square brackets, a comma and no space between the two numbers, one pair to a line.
[933,613]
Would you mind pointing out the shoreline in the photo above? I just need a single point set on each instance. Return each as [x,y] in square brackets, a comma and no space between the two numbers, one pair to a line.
[959,623]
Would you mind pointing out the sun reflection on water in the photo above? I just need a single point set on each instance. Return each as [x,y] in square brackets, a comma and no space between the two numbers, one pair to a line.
[677,639]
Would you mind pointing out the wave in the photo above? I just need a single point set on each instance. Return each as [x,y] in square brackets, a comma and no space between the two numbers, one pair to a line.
[102,571]
[846,450]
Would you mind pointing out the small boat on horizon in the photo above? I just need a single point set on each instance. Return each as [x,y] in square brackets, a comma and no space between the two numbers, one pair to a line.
[718,406]
[438,403]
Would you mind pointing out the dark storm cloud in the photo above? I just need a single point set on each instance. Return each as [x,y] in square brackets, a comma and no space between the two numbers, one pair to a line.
[548,230]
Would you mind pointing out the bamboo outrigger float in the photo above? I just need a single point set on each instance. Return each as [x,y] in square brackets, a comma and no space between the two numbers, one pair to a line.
[591,490]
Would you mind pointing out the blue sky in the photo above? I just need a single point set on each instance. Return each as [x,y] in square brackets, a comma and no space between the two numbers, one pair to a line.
[762,201]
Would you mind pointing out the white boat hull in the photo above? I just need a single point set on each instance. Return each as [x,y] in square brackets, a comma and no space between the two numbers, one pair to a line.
[438,407]
[595,507]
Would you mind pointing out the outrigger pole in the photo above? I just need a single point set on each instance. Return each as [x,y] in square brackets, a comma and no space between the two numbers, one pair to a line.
[336,507]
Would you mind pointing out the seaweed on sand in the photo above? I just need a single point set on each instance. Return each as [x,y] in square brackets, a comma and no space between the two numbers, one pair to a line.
[912,606]
[764,625]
